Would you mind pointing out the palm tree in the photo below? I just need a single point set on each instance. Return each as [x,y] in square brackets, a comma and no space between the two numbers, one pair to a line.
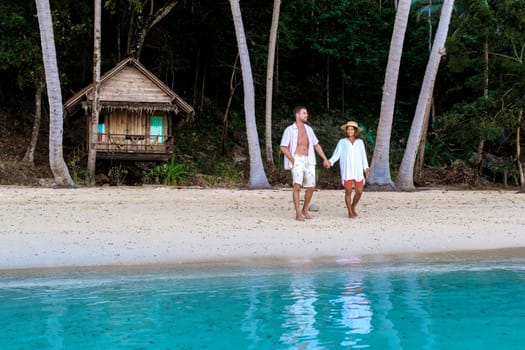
[269,80]
[93,129]
[466,11]
[30,153]
[405,177]
[257,175]
[380,165]
[54,94]
[518,153]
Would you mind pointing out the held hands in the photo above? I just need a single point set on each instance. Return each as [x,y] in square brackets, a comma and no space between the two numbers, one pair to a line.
[327,164]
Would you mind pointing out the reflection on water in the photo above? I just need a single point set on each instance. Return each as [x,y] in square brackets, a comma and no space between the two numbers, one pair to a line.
[299,317]
[356,312]
[344,306]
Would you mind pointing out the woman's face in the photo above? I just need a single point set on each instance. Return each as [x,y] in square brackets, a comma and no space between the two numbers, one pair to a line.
[350,131]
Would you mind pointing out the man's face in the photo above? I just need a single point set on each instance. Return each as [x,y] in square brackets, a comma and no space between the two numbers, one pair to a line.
[302,115]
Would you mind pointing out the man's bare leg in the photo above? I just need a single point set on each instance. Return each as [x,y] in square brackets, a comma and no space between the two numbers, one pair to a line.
[307,199]
[296,202]
[348,202]
[357,197]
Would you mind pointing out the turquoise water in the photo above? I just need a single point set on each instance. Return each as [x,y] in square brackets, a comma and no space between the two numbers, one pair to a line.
[467,305]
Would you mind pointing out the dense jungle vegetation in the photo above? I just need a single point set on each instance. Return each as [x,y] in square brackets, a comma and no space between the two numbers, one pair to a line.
[331,56]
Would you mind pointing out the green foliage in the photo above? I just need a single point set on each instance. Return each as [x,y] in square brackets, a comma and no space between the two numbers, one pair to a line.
[79,173]
[117,175]
[19,42]
[237,121]
[228,173]
[368,135]
[171,173]
[331,56]
[481,26]
[278,157]
[357,43]
[502,169]
[223,173]
[437,153]
[133,5]
[20,38]
[467,124]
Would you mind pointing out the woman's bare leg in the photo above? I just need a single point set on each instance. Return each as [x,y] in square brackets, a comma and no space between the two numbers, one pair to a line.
[357,197]
[348,202]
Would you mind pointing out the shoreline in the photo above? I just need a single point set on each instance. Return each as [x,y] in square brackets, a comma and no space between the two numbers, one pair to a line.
[115,227]
[243,265]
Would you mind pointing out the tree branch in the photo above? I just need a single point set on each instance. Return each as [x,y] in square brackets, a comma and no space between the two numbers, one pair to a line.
[162,12]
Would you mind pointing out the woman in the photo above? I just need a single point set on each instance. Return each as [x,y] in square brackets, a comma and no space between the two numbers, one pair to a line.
[350,151]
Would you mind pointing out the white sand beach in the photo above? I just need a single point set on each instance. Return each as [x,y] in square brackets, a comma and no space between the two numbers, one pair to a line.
[115,226]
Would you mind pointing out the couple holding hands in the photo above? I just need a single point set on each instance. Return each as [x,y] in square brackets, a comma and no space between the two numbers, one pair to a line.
[299,144]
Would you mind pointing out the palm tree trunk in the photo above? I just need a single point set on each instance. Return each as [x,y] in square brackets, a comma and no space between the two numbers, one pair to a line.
[269,81]
[54,94]
[30,153]
[380,165]
[258,178]
[420,160]
[405,177]
[518,153]
[233,86]
[196,76]
[203,86]
[95,107]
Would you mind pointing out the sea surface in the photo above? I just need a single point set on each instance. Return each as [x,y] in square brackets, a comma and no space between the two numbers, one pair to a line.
[341,305]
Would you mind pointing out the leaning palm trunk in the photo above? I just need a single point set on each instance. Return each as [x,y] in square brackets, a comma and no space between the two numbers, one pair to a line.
[518,153]
[420,158]
[30,153]
[269,81]
[405,177]
[233,86]
[56,158]
[380,165]
[257,176]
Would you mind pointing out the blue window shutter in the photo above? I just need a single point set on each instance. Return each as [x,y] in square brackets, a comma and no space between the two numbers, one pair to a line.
[156,128]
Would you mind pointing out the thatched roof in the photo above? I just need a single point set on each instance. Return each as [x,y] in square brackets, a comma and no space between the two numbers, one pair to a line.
[134,106]
[130,86]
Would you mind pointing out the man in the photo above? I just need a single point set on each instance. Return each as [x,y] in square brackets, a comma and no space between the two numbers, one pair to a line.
[353,164]
[298,144]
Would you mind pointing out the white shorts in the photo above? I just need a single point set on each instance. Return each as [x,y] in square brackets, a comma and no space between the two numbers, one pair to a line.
[303,173]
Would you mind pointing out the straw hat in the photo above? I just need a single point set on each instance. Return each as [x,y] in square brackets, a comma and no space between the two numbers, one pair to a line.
[351,123]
